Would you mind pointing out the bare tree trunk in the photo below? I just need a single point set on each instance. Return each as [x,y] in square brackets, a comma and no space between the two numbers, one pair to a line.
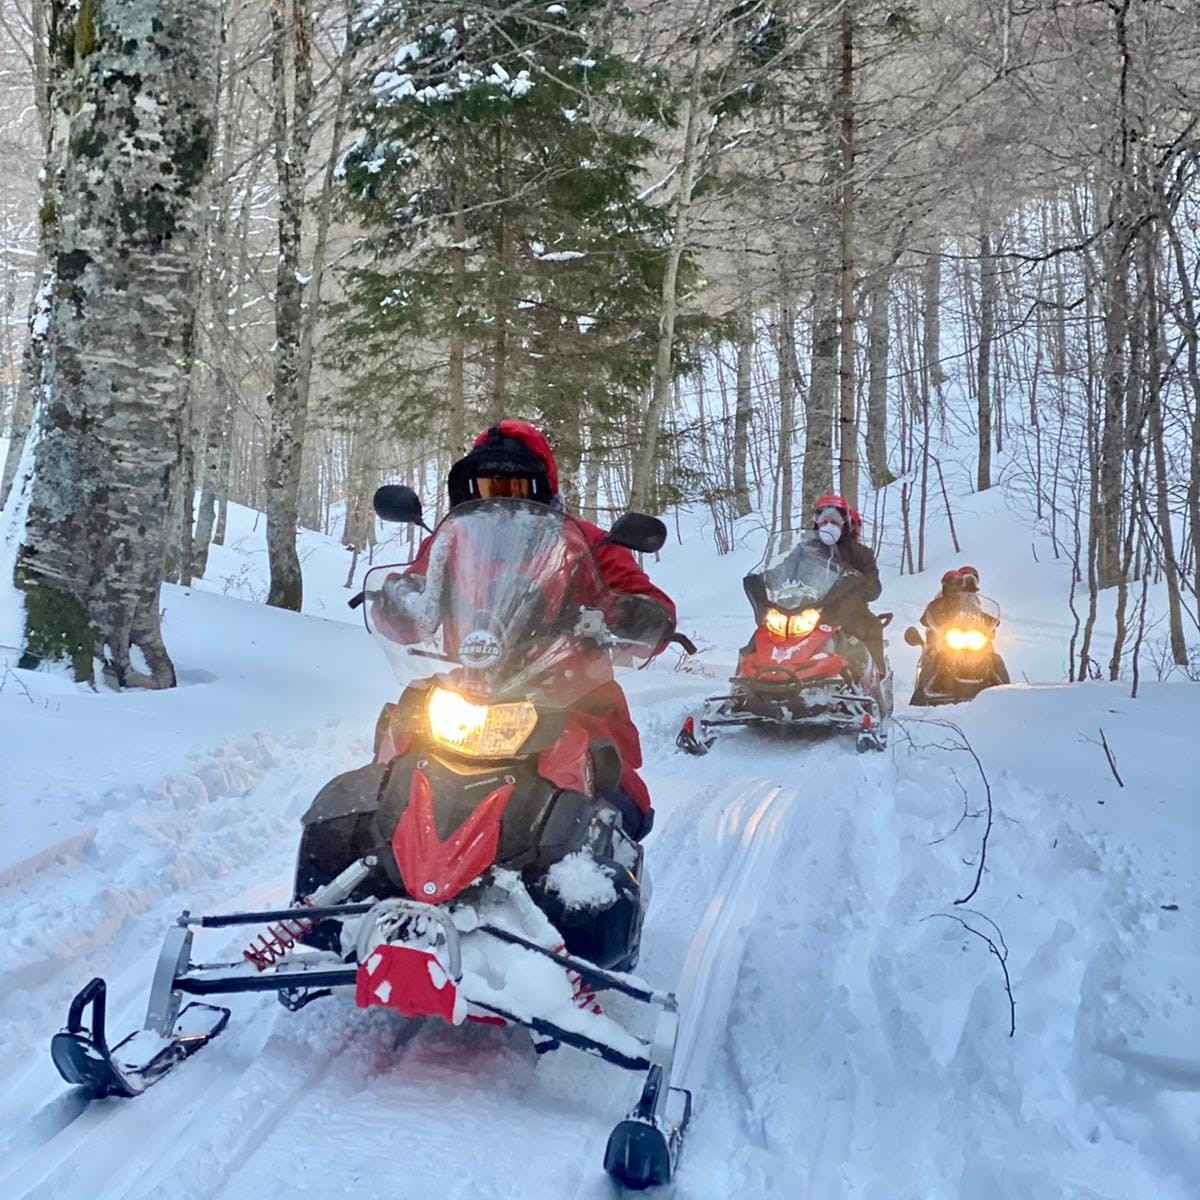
[744,411]
[27,381]
[456,421]
[1157,361]
[39,303]
[822,389]
[931,314]
[987,330]
[787,416]
[134,157]
[847,415]
[878,345]
[291,61]
[644,461]
[1190,331]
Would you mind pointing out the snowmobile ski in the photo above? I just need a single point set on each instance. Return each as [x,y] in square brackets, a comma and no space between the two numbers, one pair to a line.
[83,1056]
[643,1149]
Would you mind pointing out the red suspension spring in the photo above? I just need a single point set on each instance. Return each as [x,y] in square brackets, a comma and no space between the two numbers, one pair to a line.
[270,946]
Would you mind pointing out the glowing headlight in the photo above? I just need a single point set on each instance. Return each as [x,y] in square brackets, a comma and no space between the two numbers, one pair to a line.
[479,730]
[777,623]
[804,623]
[780,625]
[966,639]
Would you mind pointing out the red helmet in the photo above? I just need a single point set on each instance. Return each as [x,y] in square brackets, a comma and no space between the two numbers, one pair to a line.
[968,578]
[508,450]
[950,579]
[850,515]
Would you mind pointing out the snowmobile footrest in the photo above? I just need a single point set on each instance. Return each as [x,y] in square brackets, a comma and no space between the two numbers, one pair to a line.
[83,1057]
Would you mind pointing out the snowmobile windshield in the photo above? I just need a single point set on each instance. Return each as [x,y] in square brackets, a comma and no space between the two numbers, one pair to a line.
[970,611]
[510,604]
[802,577]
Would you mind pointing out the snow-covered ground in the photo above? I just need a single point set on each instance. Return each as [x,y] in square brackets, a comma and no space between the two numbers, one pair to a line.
[860,1046]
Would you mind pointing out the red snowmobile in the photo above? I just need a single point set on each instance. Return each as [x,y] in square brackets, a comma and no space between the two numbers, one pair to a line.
[477,870]
[800,670]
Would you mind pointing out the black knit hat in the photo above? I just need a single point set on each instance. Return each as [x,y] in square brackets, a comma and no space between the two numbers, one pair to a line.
[502,456]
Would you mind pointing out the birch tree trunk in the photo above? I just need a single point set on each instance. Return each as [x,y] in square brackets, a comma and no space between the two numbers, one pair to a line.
[847,407]
[133,159]
[787,417]
[291,61]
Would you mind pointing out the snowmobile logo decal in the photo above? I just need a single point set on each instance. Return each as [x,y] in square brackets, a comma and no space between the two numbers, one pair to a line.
[480,648]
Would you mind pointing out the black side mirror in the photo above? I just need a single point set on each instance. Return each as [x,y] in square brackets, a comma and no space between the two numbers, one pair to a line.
[913,637]
[636,531]
[398,502]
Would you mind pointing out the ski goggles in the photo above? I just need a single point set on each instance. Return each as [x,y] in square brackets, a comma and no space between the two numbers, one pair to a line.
[830,516]
[509,487]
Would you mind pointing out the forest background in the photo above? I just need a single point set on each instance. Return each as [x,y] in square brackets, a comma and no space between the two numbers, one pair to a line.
[728,254]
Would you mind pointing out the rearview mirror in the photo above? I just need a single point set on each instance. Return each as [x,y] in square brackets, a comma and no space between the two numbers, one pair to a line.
[636,531]
[913,637]
[398,502]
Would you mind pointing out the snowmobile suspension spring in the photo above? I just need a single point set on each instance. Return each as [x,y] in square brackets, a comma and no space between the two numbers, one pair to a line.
[269,947]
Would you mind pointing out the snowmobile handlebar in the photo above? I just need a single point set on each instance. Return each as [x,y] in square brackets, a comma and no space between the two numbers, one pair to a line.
[684,642]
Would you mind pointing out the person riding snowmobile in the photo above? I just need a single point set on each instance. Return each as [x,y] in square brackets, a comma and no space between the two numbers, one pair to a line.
[838,527]
[959,594]
[514,460]
[958,602]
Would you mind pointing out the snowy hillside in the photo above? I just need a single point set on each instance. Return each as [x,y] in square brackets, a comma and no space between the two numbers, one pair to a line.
[859,1045]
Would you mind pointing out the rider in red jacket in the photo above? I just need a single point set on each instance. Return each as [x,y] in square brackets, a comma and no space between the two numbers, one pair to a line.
[514,460]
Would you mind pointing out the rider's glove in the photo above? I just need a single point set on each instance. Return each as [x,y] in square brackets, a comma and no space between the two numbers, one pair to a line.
[641,619]
[397,593]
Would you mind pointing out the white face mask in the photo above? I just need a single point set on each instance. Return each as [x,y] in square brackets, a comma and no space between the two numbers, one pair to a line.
[829,534]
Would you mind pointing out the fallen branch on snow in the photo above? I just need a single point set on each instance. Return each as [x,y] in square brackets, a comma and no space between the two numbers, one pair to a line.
[1000,951]
[962,744]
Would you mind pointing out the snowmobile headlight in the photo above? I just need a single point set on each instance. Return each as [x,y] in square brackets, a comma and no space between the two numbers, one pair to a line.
[479,730]
[776,623]
[802,624]
[966,639]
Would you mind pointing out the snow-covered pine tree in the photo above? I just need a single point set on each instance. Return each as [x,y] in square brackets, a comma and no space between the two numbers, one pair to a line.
[509,260]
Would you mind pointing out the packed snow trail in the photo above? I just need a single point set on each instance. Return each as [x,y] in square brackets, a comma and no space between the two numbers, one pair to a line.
[848,1043]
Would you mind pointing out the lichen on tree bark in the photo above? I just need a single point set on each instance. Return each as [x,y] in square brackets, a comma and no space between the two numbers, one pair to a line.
[129,168]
